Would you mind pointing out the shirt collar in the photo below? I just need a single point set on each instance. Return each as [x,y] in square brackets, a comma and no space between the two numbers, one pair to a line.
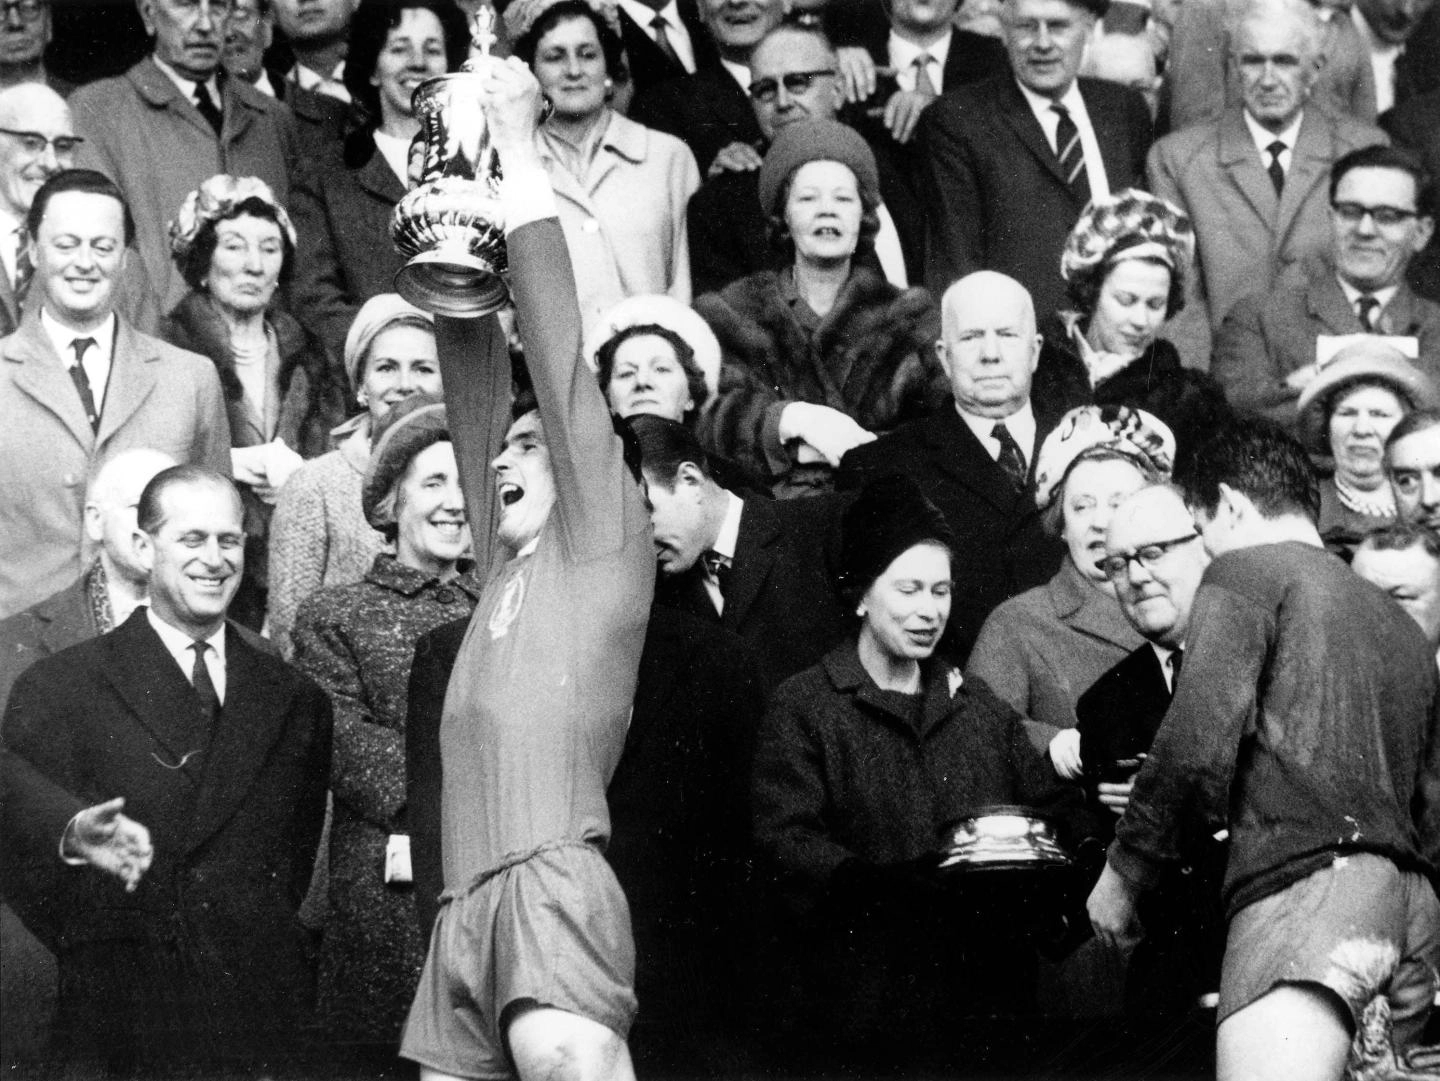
[61,336]
[179,643]
[1352,294]
[644,14]
[1263,136]
[1021,424]
[729,534]
[1040,104]
[904,52]
[308,78]
[187,86]
[739,72]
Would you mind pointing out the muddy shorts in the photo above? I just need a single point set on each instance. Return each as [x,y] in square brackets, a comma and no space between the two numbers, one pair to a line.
[1359,927]
[549,928]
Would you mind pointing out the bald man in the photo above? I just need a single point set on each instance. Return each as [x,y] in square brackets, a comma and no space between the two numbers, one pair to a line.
[37,140]
[976,462]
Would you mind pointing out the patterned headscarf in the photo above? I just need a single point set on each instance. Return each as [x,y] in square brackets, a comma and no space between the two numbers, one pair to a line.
[1116,428]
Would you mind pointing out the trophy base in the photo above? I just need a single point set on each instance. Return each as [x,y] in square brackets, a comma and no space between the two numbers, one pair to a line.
[452,283]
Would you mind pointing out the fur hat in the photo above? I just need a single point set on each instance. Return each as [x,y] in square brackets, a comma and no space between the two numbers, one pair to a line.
[376,314]
[889,517]
[410,427]
[1128,225]
[1132,432]
[816,140]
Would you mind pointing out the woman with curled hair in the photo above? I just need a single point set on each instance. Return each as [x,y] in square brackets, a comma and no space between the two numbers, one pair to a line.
[621,188]
[654,354]
[1124,266]
[824,354]
[342,212]
[234,245]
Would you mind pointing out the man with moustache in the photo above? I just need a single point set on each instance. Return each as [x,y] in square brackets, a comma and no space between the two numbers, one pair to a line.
[222,752]
[1412,462]
[173,121]
[1382,214]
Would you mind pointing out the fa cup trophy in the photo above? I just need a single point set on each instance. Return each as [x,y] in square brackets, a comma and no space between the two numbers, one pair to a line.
[450,228]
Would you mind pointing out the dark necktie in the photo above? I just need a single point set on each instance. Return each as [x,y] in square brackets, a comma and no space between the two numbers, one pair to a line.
[718,567]
[24,267]
[1012,459]
[923,83]
[205,105]
[204,688]
[1275,169]
[1071,153]
[1176,659]
[1366,307]
[662,40]
[82,381]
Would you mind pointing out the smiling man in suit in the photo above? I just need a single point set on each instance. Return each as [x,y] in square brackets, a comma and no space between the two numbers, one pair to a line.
[758,568]
[1254,180]
[78,384]
[221,752]
[1010,162]
[982,480]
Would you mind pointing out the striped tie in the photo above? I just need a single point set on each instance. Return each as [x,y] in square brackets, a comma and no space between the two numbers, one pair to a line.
[1071,153]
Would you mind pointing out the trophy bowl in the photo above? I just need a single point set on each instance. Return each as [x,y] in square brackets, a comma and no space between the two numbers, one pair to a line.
[450,228]
[1003,838]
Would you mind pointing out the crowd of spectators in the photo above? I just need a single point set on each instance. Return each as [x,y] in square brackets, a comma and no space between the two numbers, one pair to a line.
[968,365]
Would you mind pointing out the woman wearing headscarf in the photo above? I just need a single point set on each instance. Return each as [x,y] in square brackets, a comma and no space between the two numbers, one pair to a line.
[357,642]
[824,354]
[319,536]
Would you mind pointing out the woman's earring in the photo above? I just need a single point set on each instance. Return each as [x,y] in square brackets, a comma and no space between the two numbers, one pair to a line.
[362,397]
[860,611]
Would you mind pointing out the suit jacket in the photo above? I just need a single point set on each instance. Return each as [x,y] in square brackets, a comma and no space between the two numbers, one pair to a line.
[679,803]
[1246,237]
[778,596]
[61,620]
[1001,549]
[207,955]
[1416,124]
[1268,336]
[1121,712]
[993,189]
[708,111]
[342,224]
[648,65]
[157,396]
[142,133]
[729,240]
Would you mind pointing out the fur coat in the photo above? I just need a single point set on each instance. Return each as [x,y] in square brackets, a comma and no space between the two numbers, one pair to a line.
[872,357]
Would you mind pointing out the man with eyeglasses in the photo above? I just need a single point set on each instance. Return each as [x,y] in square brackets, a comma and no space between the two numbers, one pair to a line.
[1306,721]
[793,76]
[1254,178]
[173,121]
[1010,162]
[24,33]
[1382,213]
[1155,559]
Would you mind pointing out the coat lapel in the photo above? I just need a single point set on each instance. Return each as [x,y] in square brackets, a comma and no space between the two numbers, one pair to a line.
[1016,112]
[132,379]
[42,375]
[1240,160]
[1088,610]
[156,88]
[1401,315]
[376,177]
[1328,306]
[754,556]
[959,454]
[1309,166]
[254,715]
[159,696]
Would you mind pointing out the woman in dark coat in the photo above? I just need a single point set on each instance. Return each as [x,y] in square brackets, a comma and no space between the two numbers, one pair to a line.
[357,642]
[1124,266]
[861,763]
[825,354]
[234,245]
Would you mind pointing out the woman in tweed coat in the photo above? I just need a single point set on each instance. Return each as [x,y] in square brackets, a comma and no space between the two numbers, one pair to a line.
[356,641]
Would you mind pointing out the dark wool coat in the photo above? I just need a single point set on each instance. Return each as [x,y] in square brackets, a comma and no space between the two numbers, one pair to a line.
[358,642]
[871,357]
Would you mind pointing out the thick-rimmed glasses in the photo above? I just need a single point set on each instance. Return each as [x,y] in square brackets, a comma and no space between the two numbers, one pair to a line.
[1147,555]
[796,82]
[1354,213]
[28,9]
[35,143]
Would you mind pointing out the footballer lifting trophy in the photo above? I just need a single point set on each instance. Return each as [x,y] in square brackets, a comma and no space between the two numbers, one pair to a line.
[450,228]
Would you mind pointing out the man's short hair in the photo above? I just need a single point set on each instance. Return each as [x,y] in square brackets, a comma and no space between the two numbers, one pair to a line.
[665,445]
[1417,420]
[1300,12]
[796,22]
[150,510]
[81,180]
[1380,156]
[1260,460]
[1401,537]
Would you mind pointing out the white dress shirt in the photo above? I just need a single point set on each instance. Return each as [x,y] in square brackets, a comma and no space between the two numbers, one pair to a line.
[97,358]
[11,229]
[1020,424]
[904,53]
[675,32]
[332,85]
[1089,145]
[739,72]
[1263,137]
[725,542]
[1166,656]
[177,643]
